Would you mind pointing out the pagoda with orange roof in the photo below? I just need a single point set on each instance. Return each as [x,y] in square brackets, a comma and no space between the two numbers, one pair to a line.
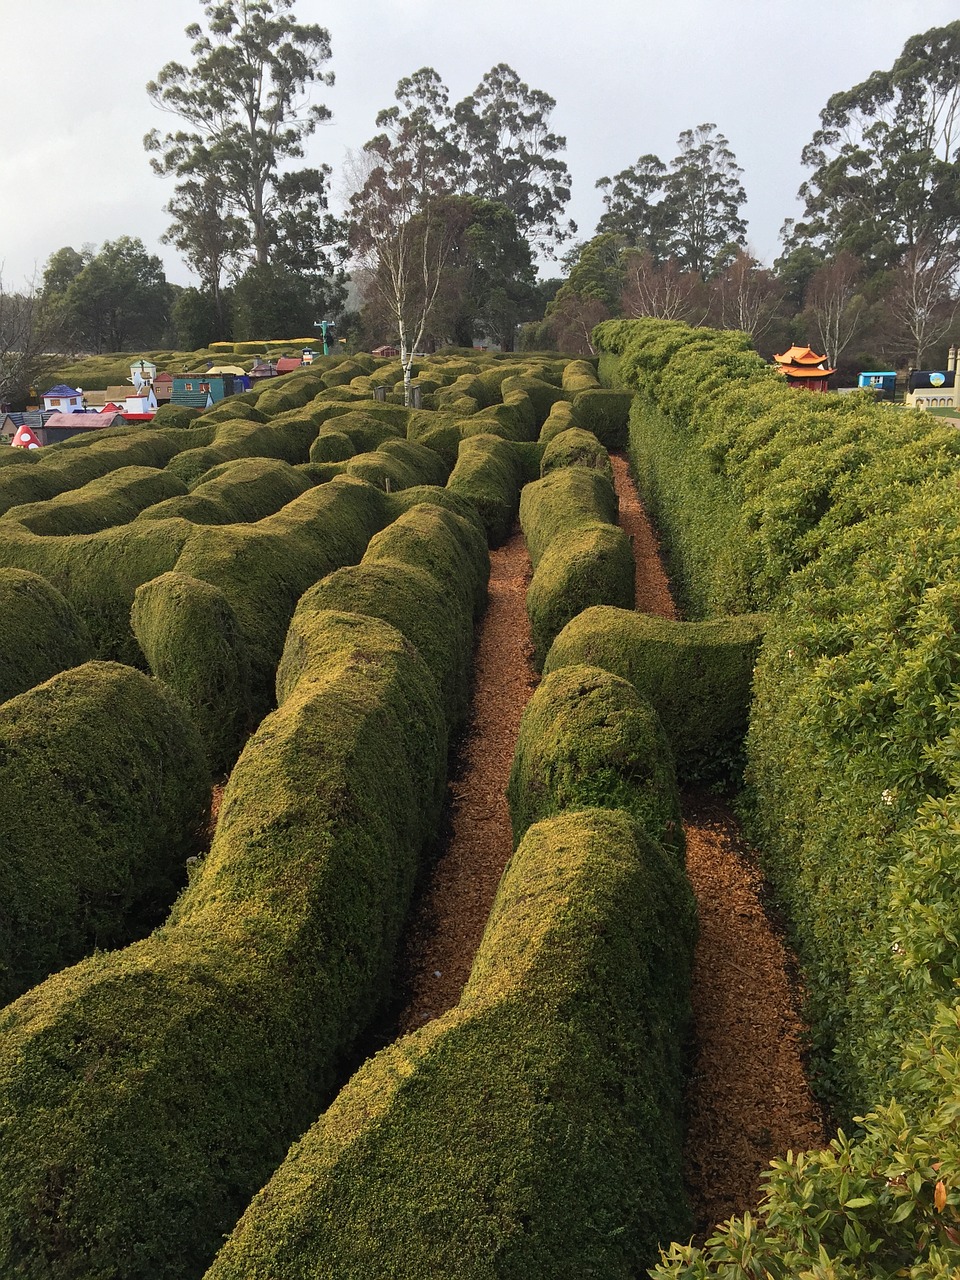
[802,367]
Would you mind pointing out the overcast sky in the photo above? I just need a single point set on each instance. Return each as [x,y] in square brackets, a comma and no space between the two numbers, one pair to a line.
[627,77]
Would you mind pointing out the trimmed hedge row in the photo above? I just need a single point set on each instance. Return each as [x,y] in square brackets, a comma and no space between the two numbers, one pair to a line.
[104,794]
[840,516]
[588,739]
[262,568]
[191,639]
[426,575]
[145,1094]
[42,633]
[579,554]
[575,447]
[697,675]
[489,473]
[289,439]
[113,499]
[246,490]
[534,1129]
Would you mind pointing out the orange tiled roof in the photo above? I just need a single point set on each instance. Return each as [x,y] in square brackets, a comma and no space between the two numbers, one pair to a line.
[800,355]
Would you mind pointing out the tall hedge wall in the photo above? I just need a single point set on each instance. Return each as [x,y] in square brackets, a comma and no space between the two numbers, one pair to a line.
[147,1093]
[838,516]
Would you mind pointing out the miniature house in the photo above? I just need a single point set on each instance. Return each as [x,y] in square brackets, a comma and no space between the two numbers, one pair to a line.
[802,367]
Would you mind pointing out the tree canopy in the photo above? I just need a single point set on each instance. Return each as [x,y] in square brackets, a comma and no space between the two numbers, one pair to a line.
[244,102]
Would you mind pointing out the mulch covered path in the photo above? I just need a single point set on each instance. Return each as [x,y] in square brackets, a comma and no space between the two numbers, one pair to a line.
[748,1099]
[449,924]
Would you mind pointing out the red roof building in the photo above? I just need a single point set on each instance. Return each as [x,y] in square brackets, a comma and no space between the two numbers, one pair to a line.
[287,364]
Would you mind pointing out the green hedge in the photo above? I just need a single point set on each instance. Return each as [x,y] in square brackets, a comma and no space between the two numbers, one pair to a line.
[104,794]
[489,473]
[42,633]
[423,575]
[191,640]
[536,1128]
[175,415]
[579,375]
[562,501]
[588,564]
[839,516]
[398,464]
[365,431]
[147,1093]
[113,499]
[561,419]
[605,413]
[263,569]
[575,447]
[289,440]
[247,489]
[697,675]
[588,740]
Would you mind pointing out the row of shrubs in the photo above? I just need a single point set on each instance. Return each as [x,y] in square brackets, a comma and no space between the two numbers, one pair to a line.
[838,517]
[537,1127]
[147,1093]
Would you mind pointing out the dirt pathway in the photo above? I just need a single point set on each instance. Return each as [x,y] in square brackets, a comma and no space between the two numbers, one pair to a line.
[748,1098]
[449,924]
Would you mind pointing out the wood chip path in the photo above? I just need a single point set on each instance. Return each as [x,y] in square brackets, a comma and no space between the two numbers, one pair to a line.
[748,1099]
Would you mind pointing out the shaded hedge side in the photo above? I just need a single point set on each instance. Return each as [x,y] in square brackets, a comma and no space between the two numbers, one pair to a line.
[42,633]
[534,1129]
[104,794]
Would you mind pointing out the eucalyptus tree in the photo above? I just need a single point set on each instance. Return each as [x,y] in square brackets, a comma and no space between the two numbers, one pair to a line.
[885,160]
[508,153]
[244,100]
[703,195]
[634,206]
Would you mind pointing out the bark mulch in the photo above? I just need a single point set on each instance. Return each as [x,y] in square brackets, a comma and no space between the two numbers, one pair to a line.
[449,924]
[748,1099]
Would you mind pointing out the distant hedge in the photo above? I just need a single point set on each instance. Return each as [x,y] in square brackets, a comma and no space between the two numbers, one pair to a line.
[104,794]
[536,1128]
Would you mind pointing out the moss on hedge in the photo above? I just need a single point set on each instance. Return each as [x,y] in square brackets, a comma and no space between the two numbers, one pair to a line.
[697,676]
[489,473]
[104,793]
[157,1087]
[191,640]
[587,739]
[42,632]
[536,1128]
[575,447]
[587,564]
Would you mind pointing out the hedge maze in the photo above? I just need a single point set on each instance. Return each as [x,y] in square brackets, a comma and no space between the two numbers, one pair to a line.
[281,594]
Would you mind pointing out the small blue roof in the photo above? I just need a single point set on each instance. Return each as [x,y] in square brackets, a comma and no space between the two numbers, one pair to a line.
[61,389]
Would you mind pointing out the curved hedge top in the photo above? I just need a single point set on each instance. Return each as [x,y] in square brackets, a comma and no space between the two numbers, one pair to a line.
[42,633]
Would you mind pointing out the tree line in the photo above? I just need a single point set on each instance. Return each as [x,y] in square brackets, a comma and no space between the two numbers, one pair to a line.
[450,204]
